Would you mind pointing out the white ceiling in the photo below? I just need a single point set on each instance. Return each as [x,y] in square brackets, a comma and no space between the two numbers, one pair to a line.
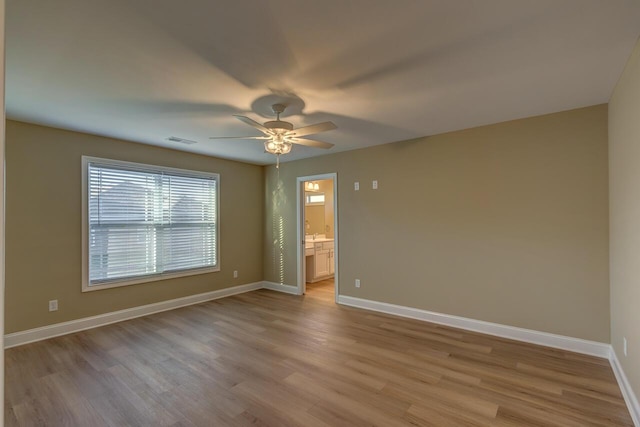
[382,71]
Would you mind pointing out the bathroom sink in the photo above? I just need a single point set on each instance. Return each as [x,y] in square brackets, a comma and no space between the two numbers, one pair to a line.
[309,240]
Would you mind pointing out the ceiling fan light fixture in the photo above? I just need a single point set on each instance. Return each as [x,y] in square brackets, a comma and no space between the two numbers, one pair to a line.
[277,147]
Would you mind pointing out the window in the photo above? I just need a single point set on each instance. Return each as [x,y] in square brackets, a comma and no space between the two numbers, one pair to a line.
[314,199]
[143,223]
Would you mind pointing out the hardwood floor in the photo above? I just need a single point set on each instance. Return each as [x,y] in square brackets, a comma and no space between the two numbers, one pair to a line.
[323,290]
[270,359]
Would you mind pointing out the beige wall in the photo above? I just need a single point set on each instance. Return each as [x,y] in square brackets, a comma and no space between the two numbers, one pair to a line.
[624,188]
[43,238]
[505,223]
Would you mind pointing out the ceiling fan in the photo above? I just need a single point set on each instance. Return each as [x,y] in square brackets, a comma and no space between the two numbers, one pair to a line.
[280,135]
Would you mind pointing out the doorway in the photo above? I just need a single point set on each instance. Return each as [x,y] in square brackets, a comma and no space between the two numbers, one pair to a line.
[318,236]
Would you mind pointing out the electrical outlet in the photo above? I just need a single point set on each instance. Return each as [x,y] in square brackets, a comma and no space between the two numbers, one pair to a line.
[235,274]
[374,184]
[624,345]
[357,283]
[53,305]
[356,186]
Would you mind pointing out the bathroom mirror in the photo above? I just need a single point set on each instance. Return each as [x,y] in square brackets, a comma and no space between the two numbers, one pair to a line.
[314,219]
[318,204]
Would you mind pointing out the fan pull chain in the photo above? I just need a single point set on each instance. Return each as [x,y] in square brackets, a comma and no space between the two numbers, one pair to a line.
[277,161]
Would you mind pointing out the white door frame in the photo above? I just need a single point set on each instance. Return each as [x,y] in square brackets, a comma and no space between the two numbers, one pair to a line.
[2,204]
[302,283]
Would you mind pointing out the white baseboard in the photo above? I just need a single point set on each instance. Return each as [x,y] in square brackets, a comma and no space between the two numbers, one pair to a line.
[50,331]
[281,287]
[577,345]
[629,396]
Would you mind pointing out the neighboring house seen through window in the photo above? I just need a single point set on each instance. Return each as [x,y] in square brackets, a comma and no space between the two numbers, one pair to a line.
[143,223]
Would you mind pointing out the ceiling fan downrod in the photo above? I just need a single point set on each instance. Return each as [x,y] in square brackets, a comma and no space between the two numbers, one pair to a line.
[278,109]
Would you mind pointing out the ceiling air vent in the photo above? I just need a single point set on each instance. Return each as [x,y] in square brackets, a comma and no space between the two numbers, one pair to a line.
[181,140]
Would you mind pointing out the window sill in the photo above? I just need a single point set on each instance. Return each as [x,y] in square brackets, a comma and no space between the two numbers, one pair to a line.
[145,279]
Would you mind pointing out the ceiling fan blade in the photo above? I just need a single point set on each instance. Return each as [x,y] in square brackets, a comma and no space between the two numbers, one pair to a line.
[239,137]
[252,122]
[311,143]
[308,130]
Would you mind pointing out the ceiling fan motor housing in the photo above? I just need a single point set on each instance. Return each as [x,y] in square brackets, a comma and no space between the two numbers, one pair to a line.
[278,125]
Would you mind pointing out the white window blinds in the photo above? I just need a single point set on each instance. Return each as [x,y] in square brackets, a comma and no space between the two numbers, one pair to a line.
[146,221]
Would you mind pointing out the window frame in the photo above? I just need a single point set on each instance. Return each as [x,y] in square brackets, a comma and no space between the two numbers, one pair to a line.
[86,287]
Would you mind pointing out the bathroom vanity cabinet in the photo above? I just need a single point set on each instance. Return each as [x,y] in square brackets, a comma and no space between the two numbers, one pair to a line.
[320,260]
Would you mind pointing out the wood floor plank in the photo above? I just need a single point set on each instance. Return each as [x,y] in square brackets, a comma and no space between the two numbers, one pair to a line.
[269,359]
[347,404]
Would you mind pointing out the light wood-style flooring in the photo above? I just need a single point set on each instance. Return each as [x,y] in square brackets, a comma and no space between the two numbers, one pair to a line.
[323,290]
[269,359]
